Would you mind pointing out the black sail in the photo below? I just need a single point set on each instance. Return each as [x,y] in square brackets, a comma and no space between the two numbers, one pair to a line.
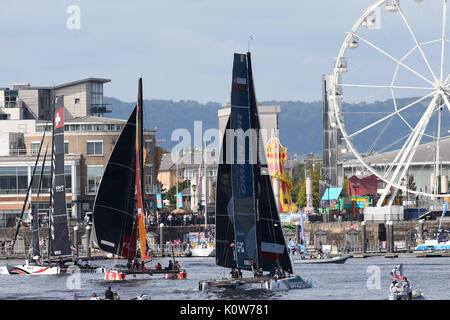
[272,244]
[224,211]
[113,216]
[239,140]
[59,231]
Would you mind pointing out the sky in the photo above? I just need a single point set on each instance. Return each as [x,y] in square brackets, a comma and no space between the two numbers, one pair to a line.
[183,49]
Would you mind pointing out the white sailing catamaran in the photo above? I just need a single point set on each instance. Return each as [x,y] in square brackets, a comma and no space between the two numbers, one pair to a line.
[248,229]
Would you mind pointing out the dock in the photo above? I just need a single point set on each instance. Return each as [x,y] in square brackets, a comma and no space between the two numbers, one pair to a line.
[432,254]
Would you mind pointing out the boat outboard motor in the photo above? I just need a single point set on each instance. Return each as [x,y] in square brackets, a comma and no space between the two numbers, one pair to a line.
[142,297]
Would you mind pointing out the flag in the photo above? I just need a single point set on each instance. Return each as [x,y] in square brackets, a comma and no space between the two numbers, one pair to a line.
[240,83]
[72,247]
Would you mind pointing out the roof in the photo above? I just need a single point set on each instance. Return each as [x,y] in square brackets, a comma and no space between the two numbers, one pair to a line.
[94,119]
[81,81]
[424,154]
[366,186]
[332,194]
[187,160]
[102,80]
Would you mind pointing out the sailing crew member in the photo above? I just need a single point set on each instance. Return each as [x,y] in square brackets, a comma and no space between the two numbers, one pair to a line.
[176,266]
[170,267]
[233,273]
[394,288]
[239,273]
[273,273]
[94,297]
[407,287]
[281,273]
[109,295]
[254,268]
[158,266]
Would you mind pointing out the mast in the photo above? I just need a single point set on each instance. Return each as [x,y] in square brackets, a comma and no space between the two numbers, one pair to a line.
[51,177]
[140,172]
[206,185]
[35,225]
[28,192]
[59,231]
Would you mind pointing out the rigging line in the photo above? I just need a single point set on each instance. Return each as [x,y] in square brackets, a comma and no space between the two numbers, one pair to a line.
[114,209]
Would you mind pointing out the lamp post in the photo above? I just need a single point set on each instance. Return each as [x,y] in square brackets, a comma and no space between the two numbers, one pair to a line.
[194,188]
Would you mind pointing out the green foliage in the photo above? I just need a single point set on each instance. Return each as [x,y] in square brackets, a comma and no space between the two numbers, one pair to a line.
[300,190]
[345,187]
[171,194]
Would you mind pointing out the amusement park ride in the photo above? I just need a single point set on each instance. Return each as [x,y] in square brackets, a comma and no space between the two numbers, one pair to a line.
[396,52]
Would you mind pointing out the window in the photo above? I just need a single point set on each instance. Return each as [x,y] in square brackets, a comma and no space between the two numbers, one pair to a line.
[149,147]
[77,100]
[99,127]
[96,93]
[35,148]
[13,180]
[94,148]
[66,147]
[94,175]
[188,174]
[148,179]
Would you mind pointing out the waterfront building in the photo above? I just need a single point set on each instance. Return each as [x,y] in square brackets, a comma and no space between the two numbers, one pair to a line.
[189,166]
[269,118]
[422,167]
[88,142]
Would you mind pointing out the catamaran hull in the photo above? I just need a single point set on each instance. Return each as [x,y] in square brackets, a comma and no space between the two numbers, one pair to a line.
[416,295]
[341,259]
[84,270]
[256,284]
[116,275]
[203,252]
[30,269]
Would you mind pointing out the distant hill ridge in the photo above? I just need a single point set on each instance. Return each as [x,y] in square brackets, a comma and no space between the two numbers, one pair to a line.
[300,122]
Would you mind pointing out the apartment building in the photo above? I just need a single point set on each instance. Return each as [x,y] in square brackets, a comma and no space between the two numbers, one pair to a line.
[88,141]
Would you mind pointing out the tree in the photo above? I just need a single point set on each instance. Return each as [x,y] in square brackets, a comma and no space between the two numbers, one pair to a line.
[301,190]
[172,196]
[345,187]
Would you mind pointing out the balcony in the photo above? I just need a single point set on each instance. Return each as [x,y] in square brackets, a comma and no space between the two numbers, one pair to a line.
[101,108]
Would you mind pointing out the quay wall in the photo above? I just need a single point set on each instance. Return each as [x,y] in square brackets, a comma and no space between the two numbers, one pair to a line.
[334,233]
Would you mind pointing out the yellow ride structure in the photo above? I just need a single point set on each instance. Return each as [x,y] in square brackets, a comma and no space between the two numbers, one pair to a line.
[276,157]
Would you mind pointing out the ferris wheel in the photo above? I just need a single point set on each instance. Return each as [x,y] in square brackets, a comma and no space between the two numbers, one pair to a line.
[390,93]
